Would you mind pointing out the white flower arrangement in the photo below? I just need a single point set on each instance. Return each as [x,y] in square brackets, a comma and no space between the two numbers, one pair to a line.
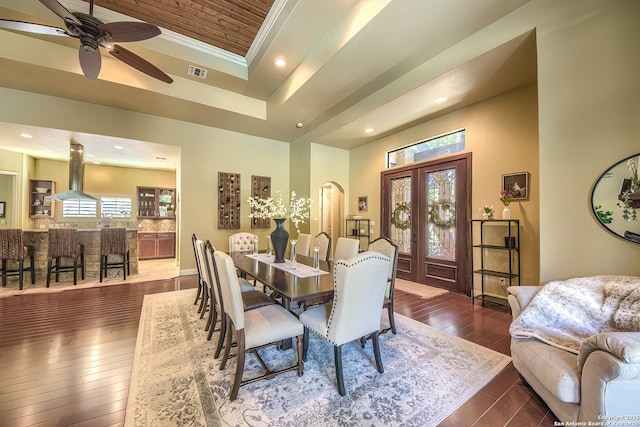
[297,211]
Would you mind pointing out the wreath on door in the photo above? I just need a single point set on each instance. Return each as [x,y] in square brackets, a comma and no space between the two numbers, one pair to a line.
[446,207]
[401,216]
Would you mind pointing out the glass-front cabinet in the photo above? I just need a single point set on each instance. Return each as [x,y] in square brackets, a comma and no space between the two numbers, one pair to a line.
[156,202]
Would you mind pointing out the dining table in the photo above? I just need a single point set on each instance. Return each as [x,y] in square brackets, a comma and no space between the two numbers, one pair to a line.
[295,284]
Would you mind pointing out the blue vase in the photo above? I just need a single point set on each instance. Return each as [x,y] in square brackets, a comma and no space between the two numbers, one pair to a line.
[279,239]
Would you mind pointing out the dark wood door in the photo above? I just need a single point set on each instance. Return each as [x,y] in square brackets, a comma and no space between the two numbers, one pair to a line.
[146,246]
[426,212]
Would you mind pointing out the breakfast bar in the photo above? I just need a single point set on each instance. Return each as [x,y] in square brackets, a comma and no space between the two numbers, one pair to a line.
[90,238]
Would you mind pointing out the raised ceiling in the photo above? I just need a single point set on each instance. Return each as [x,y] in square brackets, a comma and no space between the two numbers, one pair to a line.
[350,64]
[231,25]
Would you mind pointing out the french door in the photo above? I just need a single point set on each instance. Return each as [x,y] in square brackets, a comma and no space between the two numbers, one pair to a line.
[426,212]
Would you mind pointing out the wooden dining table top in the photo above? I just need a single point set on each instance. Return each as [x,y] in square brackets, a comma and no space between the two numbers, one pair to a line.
[291,287]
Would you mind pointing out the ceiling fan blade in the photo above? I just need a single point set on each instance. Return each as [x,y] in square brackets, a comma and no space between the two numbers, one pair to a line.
[139,63]
[129,31]
[30,27]
[61,11]
[90,62]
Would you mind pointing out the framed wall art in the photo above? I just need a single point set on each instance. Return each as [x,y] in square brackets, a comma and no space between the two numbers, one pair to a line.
[363,204]
[518,183]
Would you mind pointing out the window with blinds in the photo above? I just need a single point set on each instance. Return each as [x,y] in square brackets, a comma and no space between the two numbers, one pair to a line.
[115,207]
[79,208]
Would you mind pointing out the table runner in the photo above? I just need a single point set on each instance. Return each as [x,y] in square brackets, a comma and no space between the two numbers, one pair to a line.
[301,270]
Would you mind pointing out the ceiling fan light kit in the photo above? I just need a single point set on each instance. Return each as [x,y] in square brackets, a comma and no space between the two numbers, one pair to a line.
[94,34]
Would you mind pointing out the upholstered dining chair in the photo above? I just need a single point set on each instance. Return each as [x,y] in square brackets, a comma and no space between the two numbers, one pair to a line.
[113,242]
[242,242]
[346,248]
[386,247]
[201,287]
[254,329]
[354,313]
[63,243]
[303,243]
[13,249]
[323,241]
[251,298]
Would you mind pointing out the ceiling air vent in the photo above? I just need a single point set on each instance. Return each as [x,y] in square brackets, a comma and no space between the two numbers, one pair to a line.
[197,71]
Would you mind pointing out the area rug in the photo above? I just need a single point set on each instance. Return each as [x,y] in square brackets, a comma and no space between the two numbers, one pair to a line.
[419,289]
[176,381]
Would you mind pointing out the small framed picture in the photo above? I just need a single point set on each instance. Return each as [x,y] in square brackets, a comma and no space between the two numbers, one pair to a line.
[518,183]
[2,204]
[363,205]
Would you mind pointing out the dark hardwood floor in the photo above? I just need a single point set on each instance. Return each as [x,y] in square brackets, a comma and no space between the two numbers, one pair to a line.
[66,356]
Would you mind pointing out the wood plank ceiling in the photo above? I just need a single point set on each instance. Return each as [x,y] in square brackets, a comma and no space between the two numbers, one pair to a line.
[231,25]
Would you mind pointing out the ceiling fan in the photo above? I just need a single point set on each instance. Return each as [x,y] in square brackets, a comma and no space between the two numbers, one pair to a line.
[94,34]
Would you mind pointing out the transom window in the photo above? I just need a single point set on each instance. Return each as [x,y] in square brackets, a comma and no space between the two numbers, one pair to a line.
[449,143]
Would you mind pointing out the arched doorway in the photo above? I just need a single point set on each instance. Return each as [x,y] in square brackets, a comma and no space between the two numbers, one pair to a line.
[332,210]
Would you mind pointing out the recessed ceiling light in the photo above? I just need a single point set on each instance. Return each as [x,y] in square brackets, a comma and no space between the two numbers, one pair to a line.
[299,125]
[118,147]
[26,135]
[368,130]
[441,99]
[97,163]
[280,62]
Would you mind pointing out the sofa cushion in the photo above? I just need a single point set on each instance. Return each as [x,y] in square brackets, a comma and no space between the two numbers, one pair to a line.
[556,369]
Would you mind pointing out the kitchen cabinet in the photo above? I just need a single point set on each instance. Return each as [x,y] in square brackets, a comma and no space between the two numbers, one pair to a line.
[156,202]
[40,203]
[156,245]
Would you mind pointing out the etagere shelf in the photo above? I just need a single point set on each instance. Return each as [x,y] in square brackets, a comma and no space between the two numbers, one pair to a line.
[496,258]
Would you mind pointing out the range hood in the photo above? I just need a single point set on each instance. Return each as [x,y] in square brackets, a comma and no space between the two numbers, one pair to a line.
[76,176]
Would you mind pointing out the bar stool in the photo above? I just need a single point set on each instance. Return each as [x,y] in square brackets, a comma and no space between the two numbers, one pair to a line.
[64,244]
[12,248]
[113,241]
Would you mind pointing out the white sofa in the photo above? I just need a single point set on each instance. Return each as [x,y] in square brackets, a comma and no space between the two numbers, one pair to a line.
[601,383]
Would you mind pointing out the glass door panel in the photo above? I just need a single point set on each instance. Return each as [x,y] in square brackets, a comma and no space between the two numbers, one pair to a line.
[400,208]
[441,214]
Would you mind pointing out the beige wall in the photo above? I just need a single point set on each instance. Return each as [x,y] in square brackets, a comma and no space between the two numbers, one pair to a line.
[589,90]
[501,134]
[588,94]
[328,165]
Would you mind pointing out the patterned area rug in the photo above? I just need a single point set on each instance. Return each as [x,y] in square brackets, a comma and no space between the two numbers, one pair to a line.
[176,382]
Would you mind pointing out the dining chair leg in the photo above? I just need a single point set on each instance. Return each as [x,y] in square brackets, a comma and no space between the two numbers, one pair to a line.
[211,310]
[392,320]
[202,297]
[20,273]
[198,294]
[305,343]
[49,261]
[214,320]
[57,269]
[32,268]
[299,340]
[205,302]
[223,333]
[237,381]
[227,348]
[337,355]
[4,273]
[376,351]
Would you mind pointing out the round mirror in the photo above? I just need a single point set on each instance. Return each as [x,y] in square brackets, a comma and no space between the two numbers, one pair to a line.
[615,199]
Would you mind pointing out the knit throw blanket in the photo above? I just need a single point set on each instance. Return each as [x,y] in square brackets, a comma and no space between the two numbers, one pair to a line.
[564,313]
